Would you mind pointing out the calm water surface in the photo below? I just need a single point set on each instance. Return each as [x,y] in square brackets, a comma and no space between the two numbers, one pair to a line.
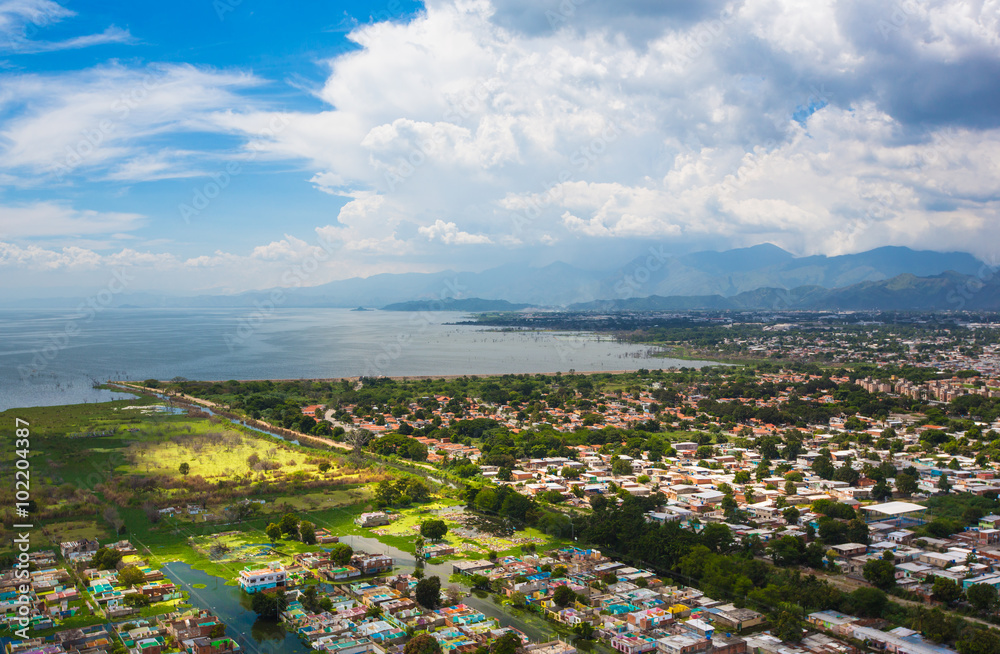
[52,357]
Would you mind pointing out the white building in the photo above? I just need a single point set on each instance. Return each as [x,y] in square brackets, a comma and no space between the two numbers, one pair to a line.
[257,578]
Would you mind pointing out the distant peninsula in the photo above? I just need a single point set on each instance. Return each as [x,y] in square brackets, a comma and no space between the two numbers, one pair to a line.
[472,304]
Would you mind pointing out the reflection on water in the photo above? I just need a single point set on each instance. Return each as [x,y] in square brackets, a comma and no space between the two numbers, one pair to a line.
[232,606]
[269,637]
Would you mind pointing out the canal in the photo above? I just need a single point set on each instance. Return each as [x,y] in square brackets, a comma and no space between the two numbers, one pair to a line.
[269,637]
[255,636]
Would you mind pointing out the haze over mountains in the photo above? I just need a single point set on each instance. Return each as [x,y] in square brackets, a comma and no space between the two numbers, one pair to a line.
[755,277]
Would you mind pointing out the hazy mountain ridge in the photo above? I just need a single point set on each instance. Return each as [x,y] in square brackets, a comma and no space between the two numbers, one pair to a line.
[472,304]
[726,275]
[906,292]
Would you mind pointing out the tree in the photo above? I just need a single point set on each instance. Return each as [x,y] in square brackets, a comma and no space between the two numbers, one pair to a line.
[307,532]
[584,630]
[823,467]
[428,592]
[906,484]
[506,644]
[788,624]
[846,473]
[273,532]
[185,468]
[971,515]
[422,644]
[935,625]
[857,531]
[982,596]
[867,602]
[323,466]
[881,491]
[880,573]
[945,590]
[357,438]
[416,451]
[943,484]
[106,558]
[563,596]
[621,467]
[289,524]
[268,605]
[518,599]
[978,641]
[131,575]
[433,529]
[341,553]
[504,474]
[791,515]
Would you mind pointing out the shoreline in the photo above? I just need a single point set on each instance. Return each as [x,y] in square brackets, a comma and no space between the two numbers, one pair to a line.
[427,377]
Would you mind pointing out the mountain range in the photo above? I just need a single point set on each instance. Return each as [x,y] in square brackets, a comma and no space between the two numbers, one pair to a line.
[762,276]
[948,291]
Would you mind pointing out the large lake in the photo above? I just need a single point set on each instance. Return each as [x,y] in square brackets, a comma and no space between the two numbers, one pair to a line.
[52,357]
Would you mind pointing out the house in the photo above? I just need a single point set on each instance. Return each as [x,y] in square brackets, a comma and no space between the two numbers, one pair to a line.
[847,550]
[839,623]
[734,619]
[729,645]
[79,549]
[371,563]
[468,567]
[989,522]
[205,645]
[254,578]
[682,645]
[897,641]
[699,627]
[376,519]
[631,644]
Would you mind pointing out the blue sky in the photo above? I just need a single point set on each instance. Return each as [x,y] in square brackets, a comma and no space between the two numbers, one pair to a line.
[214,145]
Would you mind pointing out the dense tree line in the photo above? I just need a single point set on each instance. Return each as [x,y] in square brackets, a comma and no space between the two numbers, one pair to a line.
[724,568]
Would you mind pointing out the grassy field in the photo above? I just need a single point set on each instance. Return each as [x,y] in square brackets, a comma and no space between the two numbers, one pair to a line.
[88,463]
[60,532]
[85,460]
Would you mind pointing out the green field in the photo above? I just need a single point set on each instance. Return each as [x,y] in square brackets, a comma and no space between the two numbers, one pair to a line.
[95,466]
